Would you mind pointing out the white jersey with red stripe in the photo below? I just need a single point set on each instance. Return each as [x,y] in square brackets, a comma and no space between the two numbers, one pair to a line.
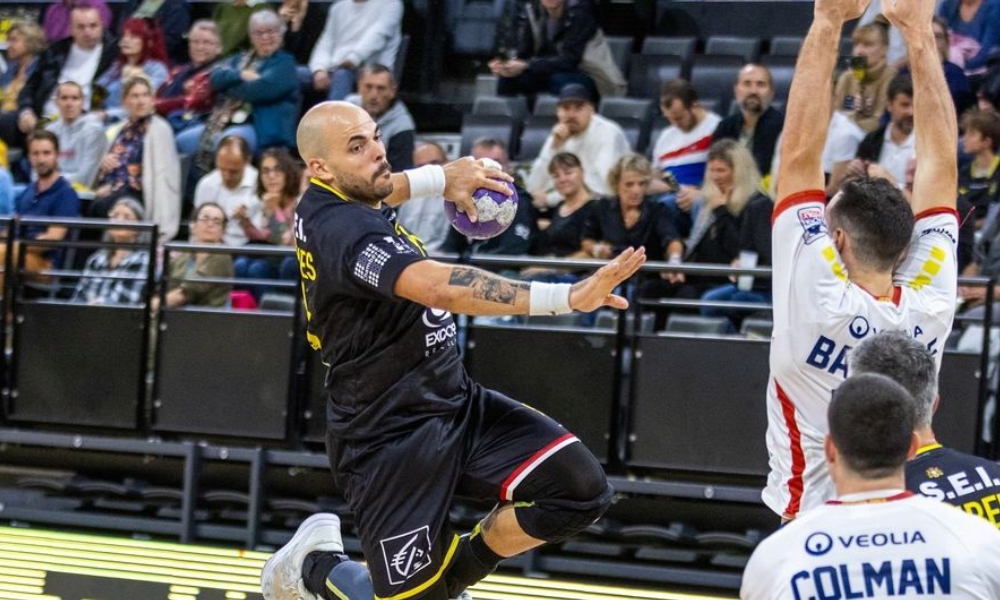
[819,315]
[881,544]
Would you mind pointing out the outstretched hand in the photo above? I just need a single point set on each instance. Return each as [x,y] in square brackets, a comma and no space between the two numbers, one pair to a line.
[595,291]
[465,175]
[910,15]
[841,10]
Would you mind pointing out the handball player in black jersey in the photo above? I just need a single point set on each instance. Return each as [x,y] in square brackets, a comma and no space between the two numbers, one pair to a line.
[969,482]
[407,428]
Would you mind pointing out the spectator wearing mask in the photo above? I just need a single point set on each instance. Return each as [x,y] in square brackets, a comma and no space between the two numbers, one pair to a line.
[377,95]
[82,58]
[757,124]
[58,19]
[862,91]
[142,53]
[278,189]
[546,54]
[232,185]
[102,281]
[142,163]
[597,141]
[425,217]
[207,225]
[25,41]
[185,99]
[356,32]
[82,140]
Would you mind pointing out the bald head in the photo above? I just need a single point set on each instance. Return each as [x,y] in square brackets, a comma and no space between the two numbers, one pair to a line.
[342,146]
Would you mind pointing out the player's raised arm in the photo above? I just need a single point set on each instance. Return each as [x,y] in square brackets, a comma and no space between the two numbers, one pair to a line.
[935,183]
[808,110]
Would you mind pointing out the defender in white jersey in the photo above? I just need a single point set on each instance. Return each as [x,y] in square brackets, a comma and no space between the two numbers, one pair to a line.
[867,262]
[875,540]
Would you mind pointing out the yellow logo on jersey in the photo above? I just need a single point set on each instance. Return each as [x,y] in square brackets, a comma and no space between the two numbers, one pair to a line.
[935,472]
[932,266]
[831,258]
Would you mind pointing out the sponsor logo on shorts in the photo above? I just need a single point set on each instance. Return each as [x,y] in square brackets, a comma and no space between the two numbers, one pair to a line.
[406,554]
[813,223]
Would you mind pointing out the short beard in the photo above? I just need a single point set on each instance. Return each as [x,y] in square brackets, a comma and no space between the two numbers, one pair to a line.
[357,188]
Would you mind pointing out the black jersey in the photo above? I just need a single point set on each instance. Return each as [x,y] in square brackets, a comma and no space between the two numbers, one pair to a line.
[967,481]
[389,358]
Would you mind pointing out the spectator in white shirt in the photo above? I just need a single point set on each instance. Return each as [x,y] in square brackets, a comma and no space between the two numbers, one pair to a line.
[356,31]
[425,217]
[82,142]
[232,185]
[597,141]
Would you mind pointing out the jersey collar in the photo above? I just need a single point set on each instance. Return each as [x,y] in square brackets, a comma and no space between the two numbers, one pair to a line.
[329,188]
[928,448]
[872,497]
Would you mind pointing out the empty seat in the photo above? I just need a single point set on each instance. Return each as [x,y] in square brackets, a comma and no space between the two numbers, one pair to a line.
[636,108]
[635,132]
[492,126]
[785,45]
[682,323]
[682,47]
[545,105]
[621,50]
[533,135]
[513,107]
[647,72]
[725,45]
[715,76]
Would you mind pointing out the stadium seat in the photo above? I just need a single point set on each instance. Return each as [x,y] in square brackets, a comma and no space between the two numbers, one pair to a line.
[493,126]
[514,107]
[545,105]
[635,132]
[681,47]
[614,108]
[647,72]
[785,45]
[725,45]
[621,50]
[715,76]
[695,324]
[533,135]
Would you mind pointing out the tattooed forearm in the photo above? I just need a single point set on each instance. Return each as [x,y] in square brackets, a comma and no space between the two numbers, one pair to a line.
[487,286]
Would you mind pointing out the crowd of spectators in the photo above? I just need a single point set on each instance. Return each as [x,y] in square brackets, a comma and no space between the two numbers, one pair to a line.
[161,117]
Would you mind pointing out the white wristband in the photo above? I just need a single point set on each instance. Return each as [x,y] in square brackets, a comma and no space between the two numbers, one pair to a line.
[426,181]
[549,298]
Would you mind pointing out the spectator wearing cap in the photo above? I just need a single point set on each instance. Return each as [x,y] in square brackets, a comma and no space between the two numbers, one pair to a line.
[757,124]
[597,141]
[551,36]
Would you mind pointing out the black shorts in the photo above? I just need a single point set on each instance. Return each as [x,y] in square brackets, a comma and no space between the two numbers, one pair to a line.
[400,488]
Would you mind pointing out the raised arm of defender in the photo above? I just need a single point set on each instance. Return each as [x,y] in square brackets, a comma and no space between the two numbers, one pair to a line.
[808,109]
[935,183]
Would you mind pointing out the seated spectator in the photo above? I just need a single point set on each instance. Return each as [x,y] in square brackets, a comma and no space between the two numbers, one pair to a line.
[58,18]
[49,196]
[82,141]
[142,163]
[232,185]
[597,141]
[356,32]
[263,78]
[958,82]
[861,91]
[629,218]
[185,99]
[232,18]
[562,234]
[887,150]
[25,41]
[517,239]
[278,189]
[979,183]
[734,192]
[95,286]
[757,125]
[842,140]
[207,225]
[547,51]
[377,95]
[975,29]
[82,58]
[142,53]
[304,24]
[425,217]
[173,17]
[682,149]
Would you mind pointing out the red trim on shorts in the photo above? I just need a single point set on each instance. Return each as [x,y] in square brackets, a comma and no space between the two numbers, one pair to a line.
[803,197]
[894,497]
[937,210]
[510,484]
[795,483]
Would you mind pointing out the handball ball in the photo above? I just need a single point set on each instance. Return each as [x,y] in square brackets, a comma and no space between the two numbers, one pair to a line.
[496,211]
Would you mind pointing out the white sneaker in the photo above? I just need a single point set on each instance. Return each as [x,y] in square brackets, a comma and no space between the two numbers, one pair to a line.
[465,595]
[281,577]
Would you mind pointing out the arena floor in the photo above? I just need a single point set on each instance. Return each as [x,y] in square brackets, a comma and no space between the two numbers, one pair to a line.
[38,564]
